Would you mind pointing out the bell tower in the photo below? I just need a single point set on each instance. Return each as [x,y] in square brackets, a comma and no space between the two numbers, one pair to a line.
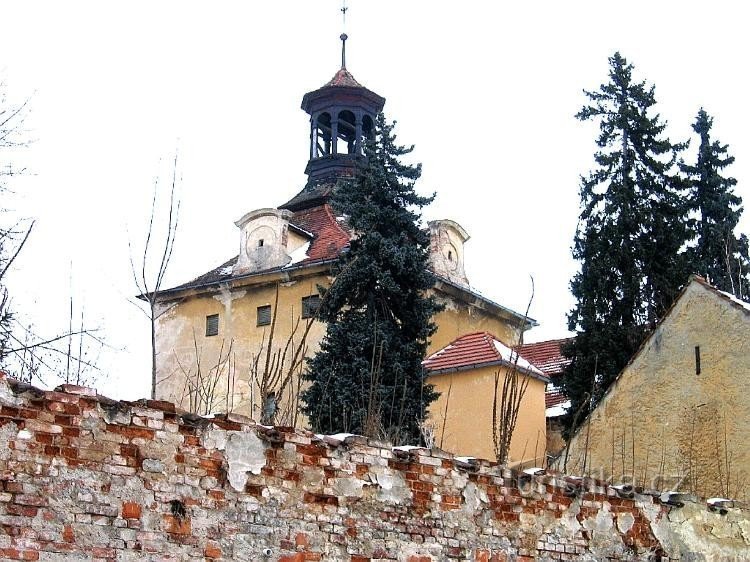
[342,114]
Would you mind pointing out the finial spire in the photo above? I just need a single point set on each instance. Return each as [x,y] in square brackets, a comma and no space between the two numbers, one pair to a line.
[343,38]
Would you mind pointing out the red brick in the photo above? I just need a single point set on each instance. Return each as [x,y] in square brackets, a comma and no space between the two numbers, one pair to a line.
[131,432]
[21,510]
[212,550]
[177,525]
[131,510]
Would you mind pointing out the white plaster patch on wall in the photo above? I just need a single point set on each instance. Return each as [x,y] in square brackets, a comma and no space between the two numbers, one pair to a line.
[473,497]
[625,522]
[392,486]
[7,397]
[226,296]
[215,438]
[348,487]
[245,452]
[7,432]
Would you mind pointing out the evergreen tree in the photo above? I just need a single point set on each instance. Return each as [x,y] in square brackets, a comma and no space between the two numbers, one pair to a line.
[719,254]
[367,377]
[631,230]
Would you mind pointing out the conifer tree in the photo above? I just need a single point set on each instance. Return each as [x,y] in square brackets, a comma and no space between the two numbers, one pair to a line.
[630,233]
[367,377]
[719,255]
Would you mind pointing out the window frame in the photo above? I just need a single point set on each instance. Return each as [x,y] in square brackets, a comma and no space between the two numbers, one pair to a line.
[210,319]
[306,311]
[267,322]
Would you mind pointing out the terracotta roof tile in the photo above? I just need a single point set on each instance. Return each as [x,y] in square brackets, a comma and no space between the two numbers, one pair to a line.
[547,356]
[343,78]
[553,397]
[475,350]
[330,237]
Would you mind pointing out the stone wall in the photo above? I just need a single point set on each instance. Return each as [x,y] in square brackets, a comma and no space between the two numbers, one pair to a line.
[87,478]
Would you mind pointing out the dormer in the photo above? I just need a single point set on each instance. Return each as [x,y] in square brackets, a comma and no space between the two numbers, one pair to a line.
[266,240]
[447,240]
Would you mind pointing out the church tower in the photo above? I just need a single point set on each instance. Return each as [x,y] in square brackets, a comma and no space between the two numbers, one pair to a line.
[342,114]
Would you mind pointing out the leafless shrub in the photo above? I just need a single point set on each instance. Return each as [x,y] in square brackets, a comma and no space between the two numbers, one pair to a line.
[147,280]
[276,370]
[507,400]
[208,386]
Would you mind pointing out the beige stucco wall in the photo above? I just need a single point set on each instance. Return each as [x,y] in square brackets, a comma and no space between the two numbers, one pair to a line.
[227,357]
[179,352]
[462,416]
[666,426]
[459,318]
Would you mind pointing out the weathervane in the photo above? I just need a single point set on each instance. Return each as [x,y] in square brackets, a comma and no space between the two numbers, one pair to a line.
[344,36]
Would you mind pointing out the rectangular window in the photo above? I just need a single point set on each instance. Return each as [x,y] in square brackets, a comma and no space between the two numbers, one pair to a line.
[310,306]
[264,315]
[212,325]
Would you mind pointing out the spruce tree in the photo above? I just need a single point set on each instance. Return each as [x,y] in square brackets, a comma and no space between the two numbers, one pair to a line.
[718,254]
[630,233]
[367,377]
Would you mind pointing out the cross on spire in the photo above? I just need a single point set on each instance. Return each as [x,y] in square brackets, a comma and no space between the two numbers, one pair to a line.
[344,36]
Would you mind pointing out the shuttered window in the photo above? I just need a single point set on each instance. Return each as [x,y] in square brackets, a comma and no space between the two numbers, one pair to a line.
[310,306]
[264,315]
[212,325]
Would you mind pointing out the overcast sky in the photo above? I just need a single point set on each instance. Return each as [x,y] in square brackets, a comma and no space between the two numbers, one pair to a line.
[486,91]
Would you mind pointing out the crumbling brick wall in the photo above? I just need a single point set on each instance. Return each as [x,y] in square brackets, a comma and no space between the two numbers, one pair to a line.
[87,478]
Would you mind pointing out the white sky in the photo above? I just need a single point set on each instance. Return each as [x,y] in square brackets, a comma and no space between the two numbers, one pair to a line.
[485,90]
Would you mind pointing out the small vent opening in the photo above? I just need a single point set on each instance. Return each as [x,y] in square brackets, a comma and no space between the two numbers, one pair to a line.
[697,360]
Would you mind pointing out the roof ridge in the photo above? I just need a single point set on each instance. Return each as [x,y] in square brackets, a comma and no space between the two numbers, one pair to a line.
[724,295]
[329,211]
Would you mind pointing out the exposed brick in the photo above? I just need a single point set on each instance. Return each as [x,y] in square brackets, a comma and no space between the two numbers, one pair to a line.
[212,550]
[131,510]
[165,494]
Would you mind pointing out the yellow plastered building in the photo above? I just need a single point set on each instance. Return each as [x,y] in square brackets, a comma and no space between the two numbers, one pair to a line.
[217,333]
[470,373]
[678,415]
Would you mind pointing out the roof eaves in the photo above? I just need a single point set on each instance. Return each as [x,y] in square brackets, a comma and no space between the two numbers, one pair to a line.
[499,362]
[301,230]
[219,282]
[530,322]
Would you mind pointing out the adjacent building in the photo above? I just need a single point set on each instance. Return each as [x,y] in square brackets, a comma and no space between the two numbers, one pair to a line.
[548,357]
[470,373]
[678,415]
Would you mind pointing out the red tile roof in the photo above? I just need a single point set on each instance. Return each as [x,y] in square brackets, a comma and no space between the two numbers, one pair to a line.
[475,350]
[330,238]
[547,356]
[554,396]
[344,78]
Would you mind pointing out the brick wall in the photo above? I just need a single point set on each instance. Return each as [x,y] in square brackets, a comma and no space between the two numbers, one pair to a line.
[83,477]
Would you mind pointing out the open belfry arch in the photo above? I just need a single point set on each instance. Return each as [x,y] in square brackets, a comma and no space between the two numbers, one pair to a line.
[285,254]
